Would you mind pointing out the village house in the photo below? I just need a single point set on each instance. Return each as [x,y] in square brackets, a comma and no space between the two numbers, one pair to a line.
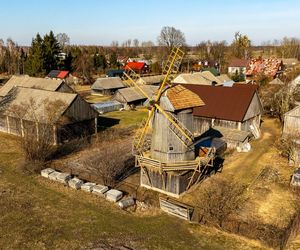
[107,85]
[25,81]
[131,97]
[231,113]
[198,78]
[237,66]
[270,67]
[138,67]
[151,80]
[64,115]
[58,74]
[291,128]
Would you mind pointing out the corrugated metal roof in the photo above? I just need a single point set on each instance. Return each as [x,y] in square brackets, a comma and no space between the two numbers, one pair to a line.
[182,98]
[30,82]
[108,83]
[105,104]
[134,94]
[223,102]
[40,98]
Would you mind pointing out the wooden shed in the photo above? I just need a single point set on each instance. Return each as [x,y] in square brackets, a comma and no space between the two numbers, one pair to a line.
[65,115]
[237,108]
[26,81]
[133,96]
[107,85]
[292,122]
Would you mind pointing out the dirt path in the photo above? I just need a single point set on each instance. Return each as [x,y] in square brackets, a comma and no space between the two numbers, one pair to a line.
[246,166]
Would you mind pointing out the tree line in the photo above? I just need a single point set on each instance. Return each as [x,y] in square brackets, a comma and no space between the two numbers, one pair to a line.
[44,54]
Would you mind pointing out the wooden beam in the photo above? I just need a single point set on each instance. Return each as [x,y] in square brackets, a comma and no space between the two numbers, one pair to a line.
[54,135]
[8,125]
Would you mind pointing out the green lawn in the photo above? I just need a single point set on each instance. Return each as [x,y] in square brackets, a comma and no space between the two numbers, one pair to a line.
[124,118]
[36,213]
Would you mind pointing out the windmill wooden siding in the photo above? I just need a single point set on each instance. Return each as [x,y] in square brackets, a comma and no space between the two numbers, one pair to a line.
[171,183]
[166,147]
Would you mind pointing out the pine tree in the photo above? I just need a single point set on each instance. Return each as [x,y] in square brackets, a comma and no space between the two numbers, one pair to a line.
[34,64]
[51,51]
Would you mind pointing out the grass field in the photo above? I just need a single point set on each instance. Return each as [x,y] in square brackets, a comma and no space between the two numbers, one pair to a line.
[126,118]
[39,214]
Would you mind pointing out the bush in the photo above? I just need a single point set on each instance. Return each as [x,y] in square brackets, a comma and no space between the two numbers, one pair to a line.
[220,200]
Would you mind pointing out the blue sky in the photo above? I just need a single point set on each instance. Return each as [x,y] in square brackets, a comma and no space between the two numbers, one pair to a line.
[102,21]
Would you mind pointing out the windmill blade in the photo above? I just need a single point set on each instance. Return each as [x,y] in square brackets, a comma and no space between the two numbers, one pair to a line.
[131,78]
[140,136]
[181,132]
[171,67]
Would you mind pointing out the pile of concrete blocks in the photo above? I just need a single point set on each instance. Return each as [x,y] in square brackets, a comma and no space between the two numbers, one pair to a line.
[88,186]
[53,176]
[63,178]
[75,183]
[46,172]
[114,195]
[100,190]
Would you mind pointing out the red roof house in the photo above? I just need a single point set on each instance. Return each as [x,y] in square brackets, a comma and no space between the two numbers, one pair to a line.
[140,67]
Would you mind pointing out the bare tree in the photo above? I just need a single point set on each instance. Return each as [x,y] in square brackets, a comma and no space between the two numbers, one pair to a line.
[136,43]
[63,39]
[171,37]
[241,46]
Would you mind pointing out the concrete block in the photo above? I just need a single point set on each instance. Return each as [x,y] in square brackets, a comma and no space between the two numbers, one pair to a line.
[88,186]
[46,172]
[100,190]
[63,178]
[53,175]
[75,183]
[114,195]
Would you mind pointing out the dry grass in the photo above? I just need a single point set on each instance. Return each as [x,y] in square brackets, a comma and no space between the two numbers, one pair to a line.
[39,214]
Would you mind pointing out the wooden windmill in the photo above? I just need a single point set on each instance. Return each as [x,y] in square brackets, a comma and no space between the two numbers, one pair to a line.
[163,145]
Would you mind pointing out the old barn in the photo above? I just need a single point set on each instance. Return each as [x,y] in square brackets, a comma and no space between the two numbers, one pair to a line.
[107,85]
[25,81]
[64,116]
[133,96]
[231,113]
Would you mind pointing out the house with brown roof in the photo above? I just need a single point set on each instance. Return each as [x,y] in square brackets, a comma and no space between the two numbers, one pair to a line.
[270,67]
[237,66]
[231,113]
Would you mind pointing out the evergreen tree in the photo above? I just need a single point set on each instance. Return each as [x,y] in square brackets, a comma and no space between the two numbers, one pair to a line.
[113,60]
[51,51]
[99,62]
[34,64]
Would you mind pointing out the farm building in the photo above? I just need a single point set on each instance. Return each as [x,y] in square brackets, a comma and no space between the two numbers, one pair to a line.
[151,80]
[232,113]
[270,67]
[138,67]
[238,66]
[132,96]
[292,128]
[109,106]
[107,85]
[58,74]
[115,73]
[64,115]
[25,81]
[198,78]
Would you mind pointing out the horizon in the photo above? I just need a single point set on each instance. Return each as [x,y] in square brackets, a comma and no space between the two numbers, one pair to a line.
[103,22]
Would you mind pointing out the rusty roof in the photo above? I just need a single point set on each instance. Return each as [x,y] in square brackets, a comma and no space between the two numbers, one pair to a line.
[182,98]
[237,62]
[223,102]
